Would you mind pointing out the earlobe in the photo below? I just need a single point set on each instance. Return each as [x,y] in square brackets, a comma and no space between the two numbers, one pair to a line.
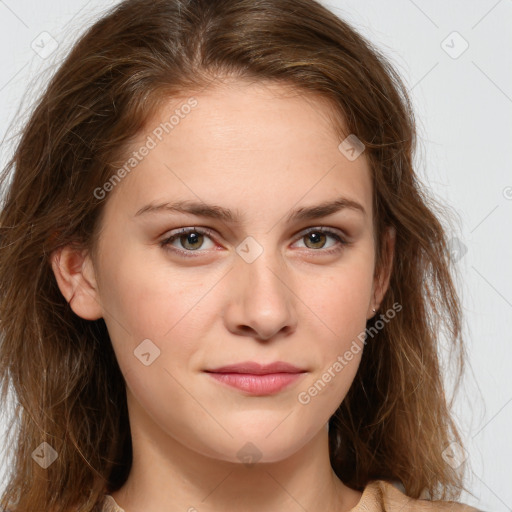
[75,277]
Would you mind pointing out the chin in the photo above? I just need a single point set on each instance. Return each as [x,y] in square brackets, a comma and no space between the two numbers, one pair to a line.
[248,447]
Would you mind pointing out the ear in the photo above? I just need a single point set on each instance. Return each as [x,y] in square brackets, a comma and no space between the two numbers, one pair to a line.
[381,280]
[75,276]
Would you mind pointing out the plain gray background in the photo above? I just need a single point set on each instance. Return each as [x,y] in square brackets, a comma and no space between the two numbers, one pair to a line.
[455,59]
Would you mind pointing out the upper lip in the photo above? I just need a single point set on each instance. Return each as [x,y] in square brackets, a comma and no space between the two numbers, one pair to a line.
[257,368]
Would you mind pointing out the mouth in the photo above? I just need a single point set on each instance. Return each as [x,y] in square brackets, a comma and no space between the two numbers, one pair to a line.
[267,384]
[257,379]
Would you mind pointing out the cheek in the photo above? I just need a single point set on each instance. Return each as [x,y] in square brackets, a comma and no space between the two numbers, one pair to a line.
[145,299]
[339,324]
[339,307]
[146,290]
[340,301]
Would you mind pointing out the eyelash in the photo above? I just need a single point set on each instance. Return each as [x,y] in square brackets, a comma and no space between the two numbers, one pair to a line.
[165,244]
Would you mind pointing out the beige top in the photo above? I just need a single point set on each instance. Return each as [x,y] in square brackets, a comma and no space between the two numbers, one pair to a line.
[378,496]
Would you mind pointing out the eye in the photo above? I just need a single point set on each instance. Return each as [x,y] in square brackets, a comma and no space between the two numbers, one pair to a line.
[316,237]
[192,239]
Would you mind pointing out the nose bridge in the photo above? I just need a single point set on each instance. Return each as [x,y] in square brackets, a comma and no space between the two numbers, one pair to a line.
[263,258]
[262,267]
[263,271]
[261,290]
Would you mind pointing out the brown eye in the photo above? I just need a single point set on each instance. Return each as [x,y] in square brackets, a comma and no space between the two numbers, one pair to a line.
[190,240]
[315,239]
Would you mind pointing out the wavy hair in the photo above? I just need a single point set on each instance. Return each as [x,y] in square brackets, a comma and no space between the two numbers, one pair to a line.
[67,387]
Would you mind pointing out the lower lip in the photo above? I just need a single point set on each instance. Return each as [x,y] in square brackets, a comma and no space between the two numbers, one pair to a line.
[257,384]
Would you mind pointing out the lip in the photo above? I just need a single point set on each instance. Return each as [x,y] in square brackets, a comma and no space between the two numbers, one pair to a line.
[258,379]
[261,385]
[255,368]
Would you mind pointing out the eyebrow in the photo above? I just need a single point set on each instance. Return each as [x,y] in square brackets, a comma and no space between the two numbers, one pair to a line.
[211,211]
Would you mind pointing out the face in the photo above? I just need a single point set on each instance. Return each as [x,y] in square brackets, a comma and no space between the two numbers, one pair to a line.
[186,292]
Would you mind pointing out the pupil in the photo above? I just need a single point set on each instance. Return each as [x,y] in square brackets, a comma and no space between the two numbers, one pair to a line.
[191,239]
[314,236]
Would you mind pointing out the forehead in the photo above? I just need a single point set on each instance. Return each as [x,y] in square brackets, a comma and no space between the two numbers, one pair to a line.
[248,145]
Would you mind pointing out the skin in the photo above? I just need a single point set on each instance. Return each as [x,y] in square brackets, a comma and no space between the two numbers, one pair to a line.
[264,151]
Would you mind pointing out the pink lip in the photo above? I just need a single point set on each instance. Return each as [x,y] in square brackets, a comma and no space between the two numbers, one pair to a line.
[257,379]
[257,384]
[257,368]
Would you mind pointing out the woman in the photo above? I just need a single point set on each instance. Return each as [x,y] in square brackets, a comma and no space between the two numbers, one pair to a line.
[222,285]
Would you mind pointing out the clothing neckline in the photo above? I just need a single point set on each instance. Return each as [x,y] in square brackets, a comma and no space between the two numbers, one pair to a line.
[366,495]
[113,503]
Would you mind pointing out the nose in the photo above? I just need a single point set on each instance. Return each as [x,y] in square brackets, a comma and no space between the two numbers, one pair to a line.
[262,303]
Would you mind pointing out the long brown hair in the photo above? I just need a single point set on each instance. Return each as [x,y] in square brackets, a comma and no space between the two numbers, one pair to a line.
[395,421]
